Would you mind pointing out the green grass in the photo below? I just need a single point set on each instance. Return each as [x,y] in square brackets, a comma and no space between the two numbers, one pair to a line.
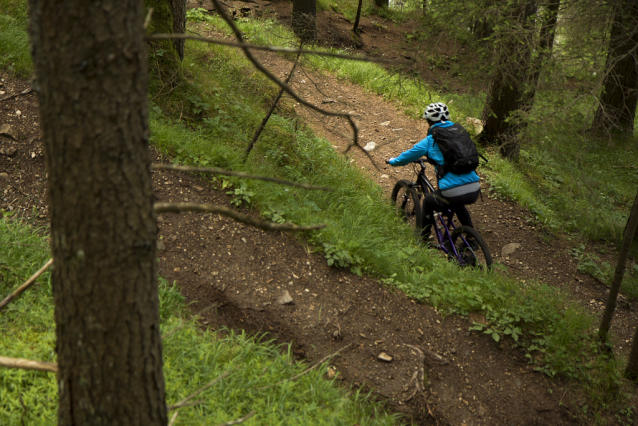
[192,358]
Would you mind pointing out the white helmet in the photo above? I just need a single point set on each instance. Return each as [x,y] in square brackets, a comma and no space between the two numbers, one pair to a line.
[437,112]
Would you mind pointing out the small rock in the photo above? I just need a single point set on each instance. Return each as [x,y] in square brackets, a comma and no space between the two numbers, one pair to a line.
[384,177]
[385,123]
[4,175]
[331,373]
[481,411]
[384,357]
[160,246]
[509,249]
[9,131]
[370,146]
[244,240]
[285,299]
[9,151]
[328,101]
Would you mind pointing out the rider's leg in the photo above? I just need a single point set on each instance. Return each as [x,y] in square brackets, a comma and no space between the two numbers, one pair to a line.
[431,203]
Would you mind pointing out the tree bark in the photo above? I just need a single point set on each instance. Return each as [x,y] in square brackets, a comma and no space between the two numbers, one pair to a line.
[617,108]
[355,27]
[168,16]
[90,60]
[605,323]
[304,20]
[544,51]
[506,92]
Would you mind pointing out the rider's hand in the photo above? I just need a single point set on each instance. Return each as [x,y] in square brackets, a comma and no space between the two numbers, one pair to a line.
[388,160]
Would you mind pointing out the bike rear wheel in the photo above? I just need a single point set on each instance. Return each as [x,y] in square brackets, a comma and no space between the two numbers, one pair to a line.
[471,247]
[408,205]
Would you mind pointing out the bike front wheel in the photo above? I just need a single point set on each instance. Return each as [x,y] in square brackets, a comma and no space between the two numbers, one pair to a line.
[407,203]
[471,248]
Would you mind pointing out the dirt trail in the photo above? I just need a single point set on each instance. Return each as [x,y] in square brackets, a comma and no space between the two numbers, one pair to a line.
[243,272]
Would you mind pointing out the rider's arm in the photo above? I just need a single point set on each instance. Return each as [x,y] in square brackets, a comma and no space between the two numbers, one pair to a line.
[417,151]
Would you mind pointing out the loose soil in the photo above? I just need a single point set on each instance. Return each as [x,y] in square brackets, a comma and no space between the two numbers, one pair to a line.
[242,271]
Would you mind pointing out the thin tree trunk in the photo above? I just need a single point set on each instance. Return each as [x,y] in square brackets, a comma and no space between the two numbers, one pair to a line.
[617,108]
[605,323]
[545,45]
[355,28]
[90,60]
[178,9]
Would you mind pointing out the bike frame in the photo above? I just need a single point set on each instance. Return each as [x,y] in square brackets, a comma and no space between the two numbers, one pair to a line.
[423,183]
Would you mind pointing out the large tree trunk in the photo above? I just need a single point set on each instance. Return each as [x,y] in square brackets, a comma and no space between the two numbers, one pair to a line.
[506,93]
[304,19]
[617,108]
[91,65]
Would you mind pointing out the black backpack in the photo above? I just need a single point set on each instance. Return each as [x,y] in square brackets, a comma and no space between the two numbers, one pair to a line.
[458,149]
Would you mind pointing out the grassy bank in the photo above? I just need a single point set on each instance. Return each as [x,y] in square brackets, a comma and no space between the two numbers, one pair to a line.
[192,358]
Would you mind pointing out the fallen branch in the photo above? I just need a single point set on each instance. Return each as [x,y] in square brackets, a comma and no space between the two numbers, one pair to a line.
[238,421]
[217,171]
[239,217]
[26,284]
[305,371]
[15,95]
[272,49]
[27,364]
[419,376]
[197,392]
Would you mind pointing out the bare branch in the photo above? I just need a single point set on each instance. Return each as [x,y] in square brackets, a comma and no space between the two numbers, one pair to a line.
[238,421]
[272,109]
[26,284]
[198,391]
[27,364]
[305,371]
[239,217]
[274,49]
[287,89]
[217,171]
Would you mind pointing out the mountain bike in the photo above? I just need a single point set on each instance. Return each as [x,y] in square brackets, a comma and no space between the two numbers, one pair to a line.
[462,244]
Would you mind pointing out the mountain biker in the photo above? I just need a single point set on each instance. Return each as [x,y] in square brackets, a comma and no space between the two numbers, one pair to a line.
[454,191]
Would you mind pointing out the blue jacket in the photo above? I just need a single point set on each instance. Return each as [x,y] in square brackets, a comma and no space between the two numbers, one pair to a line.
[429,149]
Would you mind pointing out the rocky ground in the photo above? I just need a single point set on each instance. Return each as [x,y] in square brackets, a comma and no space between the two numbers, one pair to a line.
[388,344]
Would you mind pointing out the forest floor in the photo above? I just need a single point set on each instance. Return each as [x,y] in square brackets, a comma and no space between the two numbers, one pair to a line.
[243,272]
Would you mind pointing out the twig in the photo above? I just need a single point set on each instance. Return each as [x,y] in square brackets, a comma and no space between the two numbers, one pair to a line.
[217,171]
[271,48]
[147,20]
[187,404]
[272,108]
[239,217]
[238,421]
[287,89]
[15,95]
[27,364]
[305,371]
[173,418]
[26,284]
[436,356]
[197,392]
